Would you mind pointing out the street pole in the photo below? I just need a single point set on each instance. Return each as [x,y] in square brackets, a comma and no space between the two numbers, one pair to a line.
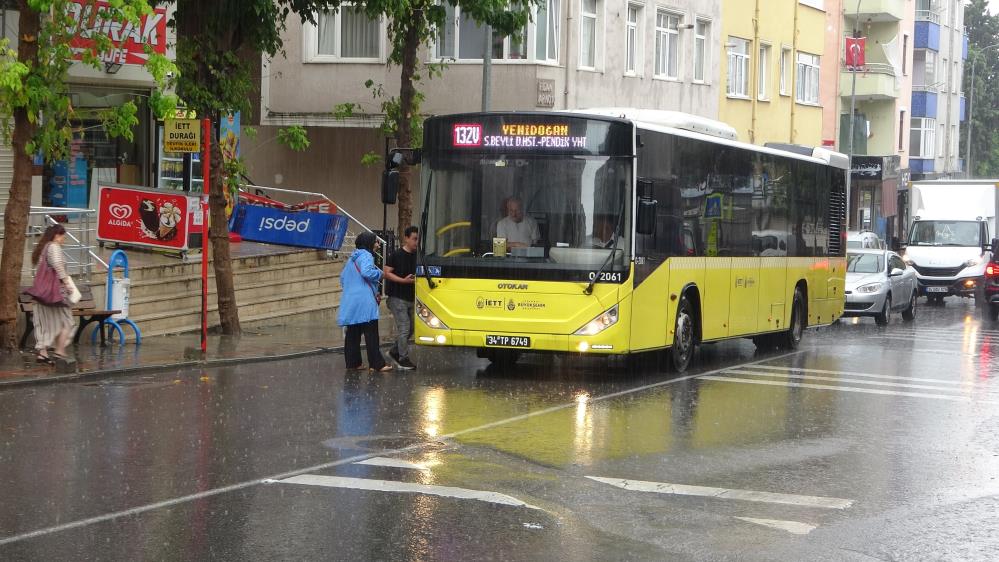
[971,106]
[206,190]
[853,109]
[487,69]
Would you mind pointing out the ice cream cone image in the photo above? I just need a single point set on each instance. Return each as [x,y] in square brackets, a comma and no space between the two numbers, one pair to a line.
[169,218]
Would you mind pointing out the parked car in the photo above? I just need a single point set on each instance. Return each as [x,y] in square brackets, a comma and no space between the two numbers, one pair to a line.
[864,239]
[878,283]
[990,308]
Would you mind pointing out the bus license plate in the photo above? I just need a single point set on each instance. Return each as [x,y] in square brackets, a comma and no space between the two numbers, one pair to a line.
[937,289]
[508,341]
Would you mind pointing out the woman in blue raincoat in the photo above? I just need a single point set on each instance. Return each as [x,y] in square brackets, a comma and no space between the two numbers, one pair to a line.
[358,311]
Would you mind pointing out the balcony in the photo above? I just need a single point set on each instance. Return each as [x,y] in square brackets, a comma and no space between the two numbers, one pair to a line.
[876,83]
[928,15]
[876,10]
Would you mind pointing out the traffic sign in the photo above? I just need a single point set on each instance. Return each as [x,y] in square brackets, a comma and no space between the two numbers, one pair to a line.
[182,135]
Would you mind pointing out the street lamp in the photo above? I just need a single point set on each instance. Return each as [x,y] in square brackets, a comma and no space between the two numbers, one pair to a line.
[853,110]
[971,105]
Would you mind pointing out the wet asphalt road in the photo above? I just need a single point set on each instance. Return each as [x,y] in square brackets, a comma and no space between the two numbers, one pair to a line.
[866,443]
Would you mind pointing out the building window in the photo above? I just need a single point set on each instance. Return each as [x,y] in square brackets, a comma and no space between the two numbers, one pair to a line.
[347,34]
[956,78]
[901,131]
[930,80]
[588,34]
[738,68]
[667,45]
[632,27]
[763,73]
[807,79]
[785,67]
[921,137]
[547,31]
[469,38]
[905,56]
[702,29]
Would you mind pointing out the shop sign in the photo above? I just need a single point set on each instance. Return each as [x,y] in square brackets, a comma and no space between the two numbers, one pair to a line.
[144,217]
[296,228]
[130,40]
[182,135]
[876,168]
[546,93]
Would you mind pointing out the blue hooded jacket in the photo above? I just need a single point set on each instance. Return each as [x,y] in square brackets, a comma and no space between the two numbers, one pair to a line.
[357,301]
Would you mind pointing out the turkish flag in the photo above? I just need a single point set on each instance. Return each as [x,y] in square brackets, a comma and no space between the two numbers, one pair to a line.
[855,48]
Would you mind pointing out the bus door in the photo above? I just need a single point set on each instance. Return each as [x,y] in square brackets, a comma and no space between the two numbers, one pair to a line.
[744,286]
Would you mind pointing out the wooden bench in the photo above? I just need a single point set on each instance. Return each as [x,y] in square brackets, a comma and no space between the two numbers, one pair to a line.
[86,310]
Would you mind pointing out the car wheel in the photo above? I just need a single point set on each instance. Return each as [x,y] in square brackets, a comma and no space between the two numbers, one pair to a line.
[909,314]
[884,317]
[796,330]
[684,339]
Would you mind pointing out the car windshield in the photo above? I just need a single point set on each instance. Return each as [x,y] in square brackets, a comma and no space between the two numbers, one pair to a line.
[865,263]
[946,233]
[528,212]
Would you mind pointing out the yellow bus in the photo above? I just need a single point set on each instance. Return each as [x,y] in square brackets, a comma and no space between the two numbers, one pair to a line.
[619,231]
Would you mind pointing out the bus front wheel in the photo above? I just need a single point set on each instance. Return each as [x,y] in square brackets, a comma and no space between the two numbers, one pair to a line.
[792,337]
[684,336]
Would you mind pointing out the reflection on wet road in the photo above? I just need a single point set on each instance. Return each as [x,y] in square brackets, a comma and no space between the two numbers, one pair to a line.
[864,442]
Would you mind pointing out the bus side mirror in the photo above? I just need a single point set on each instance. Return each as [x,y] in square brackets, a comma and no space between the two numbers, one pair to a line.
[390,186]
[646,223]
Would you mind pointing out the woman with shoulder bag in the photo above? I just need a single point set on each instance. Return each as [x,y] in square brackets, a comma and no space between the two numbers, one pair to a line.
[359,301]
[53,289]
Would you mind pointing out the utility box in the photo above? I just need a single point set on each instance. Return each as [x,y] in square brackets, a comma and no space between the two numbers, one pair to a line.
[120,290]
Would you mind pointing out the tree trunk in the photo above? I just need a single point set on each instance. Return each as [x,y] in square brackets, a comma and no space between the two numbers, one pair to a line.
[15,218]
[404,131]
[219,234]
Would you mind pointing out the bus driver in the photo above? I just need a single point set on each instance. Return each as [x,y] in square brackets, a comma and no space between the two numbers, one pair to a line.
[518,229]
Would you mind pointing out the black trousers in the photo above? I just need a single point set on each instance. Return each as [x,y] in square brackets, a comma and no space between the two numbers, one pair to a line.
[352,345]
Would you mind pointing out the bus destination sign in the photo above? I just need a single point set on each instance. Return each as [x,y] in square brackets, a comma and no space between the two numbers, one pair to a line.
[524,136]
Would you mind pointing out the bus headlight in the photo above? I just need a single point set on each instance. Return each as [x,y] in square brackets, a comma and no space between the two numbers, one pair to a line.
[605,320]
[428,317]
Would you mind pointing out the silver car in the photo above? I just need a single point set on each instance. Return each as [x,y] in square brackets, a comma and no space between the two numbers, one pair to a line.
[878,283]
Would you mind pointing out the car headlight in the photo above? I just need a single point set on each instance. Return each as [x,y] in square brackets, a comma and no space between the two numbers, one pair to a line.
[870,288]
[428,317]
[973,262]
[605,320]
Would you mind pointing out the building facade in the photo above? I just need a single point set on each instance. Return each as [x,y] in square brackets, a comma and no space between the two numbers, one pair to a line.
[772,70]
[879,93]
[574,54]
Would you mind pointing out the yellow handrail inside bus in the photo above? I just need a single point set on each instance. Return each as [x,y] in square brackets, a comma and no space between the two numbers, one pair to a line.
[452,226]
[457,251]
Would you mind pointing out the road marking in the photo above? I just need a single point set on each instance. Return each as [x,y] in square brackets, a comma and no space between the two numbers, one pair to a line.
[868,375]
[405,488]
[849,389]
[411,448]
[393,463]
[842,380]
[795,527]
[725,493]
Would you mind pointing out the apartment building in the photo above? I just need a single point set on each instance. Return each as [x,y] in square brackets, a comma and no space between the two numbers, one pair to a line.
[772,70]
[573,54]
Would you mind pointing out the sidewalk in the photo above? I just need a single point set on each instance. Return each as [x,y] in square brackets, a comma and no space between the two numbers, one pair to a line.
[283,338]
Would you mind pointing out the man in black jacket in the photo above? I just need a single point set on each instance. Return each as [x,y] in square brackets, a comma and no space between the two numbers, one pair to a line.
[400,275]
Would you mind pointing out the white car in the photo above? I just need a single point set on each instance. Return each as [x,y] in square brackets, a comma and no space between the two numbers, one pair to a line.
[879,283]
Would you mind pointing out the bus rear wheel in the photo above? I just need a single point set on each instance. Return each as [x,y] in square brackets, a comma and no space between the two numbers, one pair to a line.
[796,330]
[684,336]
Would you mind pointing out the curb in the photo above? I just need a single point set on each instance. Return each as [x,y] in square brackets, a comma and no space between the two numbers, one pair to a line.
[74,377]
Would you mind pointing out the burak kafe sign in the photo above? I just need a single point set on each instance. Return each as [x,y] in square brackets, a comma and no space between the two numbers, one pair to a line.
[130,39]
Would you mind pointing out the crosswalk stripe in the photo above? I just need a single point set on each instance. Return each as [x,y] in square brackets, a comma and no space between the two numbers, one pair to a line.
[796,527]
[724,493]
[403,487]
[393,463]
[848,389]
[857,374]
[845,380]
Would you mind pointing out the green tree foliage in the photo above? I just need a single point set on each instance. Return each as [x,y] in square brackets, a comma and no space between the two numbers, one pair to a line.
[983,31]
[36,116]
[411,25]
[219,43]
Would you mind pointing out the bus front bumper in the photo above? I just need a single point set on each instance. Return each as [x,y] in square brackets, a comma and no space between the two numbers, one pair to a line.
[526,342]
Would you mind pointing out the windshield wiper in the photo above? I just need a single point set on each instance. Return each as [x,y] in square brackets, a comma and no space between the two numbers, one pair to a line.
[610,257]
[423,232]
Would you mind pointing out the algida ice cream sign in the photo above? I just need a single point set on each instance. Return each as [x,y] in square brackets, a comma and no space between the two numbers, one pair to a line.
[141,217]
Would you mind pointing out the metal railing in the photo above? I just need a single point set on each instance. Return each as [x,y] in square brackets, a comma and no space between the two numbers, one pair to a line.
[928,15]
[80,234]
[313,195]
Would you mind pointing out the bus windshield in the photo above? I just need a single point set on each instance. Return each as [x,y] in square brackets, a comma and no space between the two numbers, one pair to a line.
[528,216]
